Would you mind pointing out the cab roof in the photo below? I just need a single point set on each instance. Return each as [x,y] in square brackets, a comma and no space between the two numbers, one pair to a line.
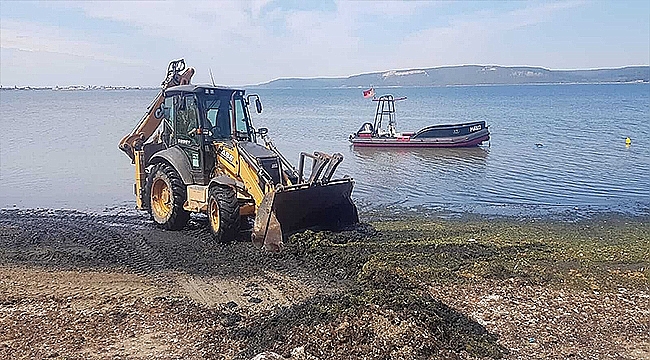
[192,88]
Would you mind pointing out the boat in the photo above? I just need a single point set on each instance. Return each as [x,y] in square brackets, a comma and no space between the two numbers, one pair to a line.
[467,134]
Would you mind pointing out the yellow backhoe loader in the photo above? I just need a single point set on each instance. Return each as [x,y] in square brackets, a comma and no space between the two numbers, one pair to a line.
[196,150]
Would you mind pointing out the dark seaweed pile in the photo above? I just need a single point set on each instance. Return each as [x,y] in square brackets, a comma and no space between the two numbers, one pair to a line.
[374,282]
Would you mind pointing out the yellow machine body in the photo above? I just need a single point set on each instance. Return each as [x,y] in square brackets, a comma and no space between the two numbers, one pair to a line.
[191,159]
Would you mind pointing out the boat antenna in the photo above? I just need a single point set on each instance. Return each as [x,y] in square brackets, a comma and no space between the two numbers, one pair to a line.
[211,77]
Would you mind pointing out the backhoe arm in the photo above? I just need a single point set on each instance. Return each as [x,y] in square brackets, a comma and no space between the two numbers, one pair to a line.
[177,74]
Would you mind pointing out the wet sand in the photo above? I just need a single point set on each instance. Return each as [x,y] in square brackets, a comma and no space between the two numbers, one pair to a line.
[75,285]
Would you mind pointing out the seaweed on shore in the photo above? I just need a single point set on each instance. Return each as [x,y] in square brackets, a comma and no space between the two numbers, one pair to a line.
[386,308]
[409,288]
[380,312]
[598,254]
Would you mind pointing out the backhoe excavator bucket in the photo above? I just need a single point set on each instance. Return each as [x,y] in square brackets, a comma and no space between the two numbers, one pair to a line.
[304,206]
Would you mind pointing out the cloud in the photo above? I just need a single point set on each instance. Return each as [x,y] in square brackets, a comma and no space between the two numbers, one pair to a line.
[48,69]
[193,23]
[34,37]
[246,42]
[474,38]
[242,42]
[385,9]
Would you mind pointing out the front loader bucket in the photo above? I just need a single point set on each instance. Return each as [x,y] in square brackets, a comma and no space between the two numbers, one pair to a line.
[323,207]
[299,207]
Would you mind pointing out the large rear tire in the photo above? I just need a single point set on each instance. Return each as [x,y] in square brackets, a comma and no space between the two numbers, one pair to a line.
[166,194]
[223,213]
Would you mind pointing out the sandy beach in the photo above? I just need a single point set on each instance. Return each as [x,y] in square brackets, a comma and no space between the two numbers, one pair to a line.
[75,285]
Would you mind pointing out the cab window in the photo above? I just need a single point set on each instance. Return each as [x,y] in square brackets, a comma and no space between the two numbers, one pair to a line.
[168,115]
[241,122]
[217,117]
[187,120]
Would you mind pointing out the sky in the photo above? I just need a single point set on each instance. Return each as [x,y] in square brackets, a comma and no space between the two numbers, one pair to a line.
[249,42]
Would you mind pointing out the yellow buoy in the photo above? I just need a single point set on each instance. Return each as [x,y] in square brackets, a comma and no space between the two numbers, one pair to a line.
[628,141]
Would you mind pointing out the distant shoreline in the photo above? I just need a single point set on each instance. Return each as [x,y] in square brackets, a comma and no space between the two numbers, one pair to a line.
[75,88]
[468,75]
[443,76]
[450,85]
[132,88]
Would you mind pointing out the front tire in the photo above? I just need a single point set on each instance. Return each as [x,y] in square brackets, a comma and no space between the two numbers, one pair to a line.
[166,195]
[223,213]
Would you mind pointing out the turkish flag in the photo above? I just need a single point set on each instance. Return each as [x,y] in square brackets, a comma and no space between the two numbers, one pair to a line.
[369,93]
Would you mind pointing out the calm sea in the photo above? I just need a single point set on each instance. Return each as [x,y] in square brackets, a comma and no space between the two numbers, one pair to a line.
[555,149]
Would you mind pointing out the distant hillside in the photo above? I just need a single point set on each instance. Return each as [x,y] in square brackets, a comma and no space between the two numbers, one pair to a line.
[469,75]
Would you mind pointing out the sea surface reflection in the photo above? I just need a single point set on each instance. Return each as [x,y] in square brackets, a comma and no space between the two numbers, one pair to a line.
[553,149]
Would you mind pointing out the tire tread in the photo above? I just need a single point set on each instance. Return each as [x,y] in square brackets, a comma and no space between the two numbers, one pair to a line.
[229,217]
[179,216]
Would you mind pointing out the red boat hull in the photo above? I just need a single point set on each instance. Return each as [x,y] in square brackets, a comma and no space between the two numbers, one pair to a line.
[474,139]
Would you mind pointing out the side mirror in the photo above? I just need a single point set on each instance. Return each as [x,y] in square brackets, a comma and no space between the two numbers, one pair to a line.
[258,103]
[258,106]
[263,131]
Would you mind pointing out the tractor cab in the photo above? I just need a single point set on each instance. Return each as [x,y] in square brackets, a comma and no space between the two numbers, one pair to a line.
[216,113]
[196,117]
